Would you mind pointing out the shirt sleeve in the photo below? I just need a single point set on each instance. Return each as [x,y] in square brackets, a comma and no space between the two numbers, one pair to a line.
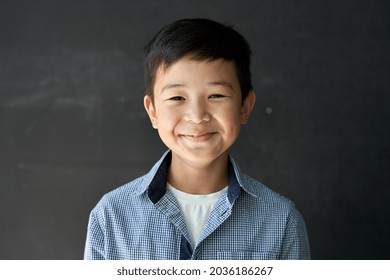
[94,245]
[295,242]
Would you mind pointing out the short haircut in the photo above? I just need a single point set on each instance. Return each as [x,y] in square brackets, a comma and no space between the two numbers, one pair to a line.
[199,39]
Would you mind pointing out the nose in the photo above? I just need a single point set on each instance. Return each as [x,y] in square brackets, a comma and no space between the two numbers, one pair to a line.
[197,112]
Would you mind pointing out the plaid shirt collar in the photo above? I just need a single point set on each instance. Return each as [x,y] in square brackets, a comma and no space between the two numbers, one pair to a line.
[156,180]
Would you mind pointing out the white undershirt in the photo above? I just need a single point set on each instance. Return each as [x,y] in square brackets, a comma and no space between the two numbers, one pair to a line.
[196,209]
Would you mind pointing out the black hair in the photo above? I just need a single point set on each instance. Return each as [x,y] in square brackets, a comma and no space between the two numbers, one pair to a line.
[199,39]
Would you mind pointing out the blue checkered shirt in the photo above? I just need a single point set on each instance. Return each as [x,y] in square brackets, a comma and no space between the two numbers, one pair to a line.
[142,220]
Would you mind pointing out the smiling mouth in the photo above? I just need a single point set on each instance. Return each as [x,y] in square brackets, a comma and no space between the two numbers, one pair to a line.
[200,137]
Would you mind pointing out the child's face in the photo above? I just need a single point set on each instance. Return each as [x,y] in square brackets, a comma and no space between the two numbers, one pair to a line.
[197,108]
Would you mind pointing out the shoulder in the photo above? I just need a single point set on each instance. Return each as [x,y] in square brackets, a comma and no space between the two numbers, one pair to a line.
[271,205]
[258,191]
[264,193]
[132,195]
[266,200]
[122,196]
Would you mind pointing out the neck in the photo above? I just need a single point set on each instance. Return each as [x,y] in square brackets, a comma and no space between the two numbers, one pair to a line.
[196,178]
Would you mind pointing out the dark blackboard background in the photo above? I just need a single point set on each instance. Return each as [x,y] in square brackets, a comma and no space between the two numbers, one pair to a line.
[73,127]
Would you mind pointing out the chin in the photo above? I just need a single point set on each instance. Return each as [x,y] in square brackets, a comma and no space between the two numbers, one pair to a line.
[199,156]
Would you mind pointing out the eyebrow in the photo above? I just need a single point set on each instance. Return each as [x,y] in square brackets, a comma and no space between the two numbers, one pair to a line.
[170,86]
[214,83]
[221,83]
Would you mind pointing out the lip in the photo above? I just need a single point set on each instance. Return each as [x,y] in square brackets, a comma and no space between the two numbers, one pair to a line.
[198,136]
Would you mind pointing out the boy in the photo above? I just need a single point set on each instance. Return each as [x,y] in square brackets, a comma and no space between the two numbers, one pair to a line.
[195,203]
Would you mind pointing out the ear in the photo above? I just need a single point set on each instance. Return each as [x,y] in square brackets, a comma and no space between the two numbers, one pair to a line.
[151,110]
[247,107]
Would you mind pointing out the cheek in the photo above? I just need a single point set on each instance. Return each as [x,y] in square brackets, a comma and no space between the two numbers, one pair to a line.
[231,122]
[167,119]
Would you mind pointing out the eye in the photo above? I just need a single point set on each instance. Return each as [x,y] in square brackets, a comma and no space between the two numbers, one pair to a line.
[213,96]
[176,98]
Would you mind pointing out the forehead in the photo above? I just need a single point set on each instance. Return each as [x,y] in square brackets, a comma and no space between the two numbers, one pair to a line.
[188,71]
